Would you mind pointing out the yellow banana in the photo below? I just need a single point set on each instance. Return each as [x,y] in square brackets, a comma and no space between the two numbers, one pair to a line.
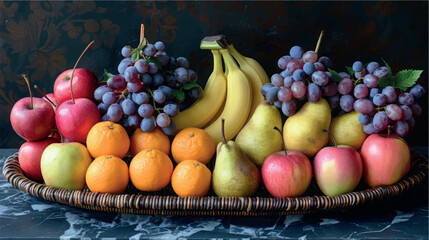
[238,102]
[206,108]
[254,72]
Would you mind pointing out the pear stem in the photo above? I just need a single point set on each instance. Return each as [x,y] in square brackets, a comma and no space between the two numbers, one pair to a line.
[29,89]
[44,95]
[319,41]
[283,140]
[74,68]
[332,135]
[223,131]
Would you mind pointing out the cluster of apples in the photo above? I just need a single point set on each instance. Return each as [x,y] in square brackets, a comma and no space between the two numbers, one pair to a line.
[70,110]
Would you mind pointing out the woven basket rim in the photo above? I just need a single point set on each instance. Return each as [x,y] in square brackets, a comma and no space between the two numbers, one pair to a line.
[211,205]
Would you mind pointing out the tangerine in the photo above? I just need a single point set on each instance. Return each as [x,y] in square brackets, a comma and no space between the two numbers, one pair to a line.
[107,138]
[193,143]
[191,179]
[155,139]
[107,174]
[150,170]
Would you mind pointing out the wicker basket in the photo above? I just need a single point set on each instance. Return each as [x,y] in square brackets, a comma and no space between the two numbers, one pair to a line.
[167,203]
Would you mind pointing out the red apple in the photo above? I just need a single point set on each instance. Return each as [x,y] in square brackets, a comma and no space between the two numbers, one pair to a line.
[30,154]
[385,159]
[286,175]
[84,85]
[337,169]
[74,120]
[32,123]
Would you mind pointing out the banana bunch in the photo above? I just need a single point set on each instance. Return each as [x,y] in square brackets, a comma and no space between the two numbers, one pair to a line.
[233,94]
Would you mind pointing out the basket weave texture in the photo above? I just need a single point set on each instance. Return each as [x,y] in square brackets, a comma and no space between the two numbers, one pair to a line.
[142,203]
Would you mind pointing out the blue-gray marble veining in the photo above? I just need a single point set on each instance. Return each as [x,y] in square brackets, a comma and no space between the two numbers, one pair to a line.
[25,216]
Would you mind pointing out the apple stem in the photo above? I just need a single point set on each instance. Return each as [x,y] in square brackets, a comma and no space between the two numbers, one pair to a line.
[74,68]
[44,95]
[388,131]
[283,140]
[332,135]
[319,41]
[223,132]
[57,131]
[29,89]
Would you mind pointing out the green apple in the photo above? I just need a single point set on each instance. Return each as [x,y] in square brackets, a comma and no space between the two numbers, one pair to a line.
[64,165]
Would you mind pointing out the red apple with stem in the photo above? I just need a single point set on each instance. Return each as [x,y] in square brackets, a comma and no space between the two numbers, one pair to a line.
[286,173]
[32,118]
[84,84]
[30,154]
[337,169]
[386,159]
[74,118]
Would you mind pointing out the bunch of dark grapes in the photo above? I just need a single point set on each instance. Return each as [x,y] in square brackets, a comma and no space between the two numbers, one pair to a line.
[304,76]
[381,108]
[148,90]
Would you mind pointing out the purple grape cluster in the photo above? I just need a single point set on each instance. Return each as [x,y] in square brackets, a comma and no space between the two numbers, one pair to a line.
[381,108]
[149,89]
[304,76]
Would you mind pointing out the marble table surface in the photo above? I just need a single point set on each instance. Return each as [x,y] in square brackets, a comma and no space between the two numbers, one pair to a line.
[26,217]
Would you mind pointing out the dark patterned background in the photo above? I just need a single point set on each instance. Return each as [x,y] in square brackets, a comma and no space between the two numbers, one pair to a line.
[43,39]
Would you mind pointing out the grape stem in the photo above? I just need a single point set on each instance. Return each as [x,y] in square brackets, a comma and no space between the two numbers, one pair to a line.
[357,81]
[29,89]
[319,41]
[153,101]
[122,95]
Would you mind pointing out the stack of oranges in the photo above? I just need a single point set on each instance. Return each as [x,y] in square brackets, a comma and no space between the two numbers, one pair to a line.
[151,168]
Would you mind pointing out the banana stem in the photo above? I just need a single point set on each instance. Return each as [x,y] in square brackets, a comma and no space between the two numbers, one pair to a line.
[74,68]
[29,89]
[319,41]
[217,61]
[229,60]
[332,135]
[283,140]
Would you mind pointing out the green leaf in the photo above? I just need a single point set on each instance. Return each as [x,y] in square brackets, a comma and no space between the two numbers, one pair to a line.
[350,71]
[337,77]
[154,60]
[384,82]
[178,94]
[190,85]
[134,56]
[388,67]
[107,75]
[406,78]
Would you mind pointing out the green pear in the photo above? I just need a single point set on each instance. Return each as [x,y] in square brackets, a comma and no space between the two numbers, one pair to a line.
[303,131]
[258,139]
[347,130]
[64,165]
[234,175]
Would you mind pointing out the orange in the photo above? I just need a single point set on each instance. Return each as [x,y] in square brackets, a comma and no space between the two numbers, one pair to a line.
[107,174]
[150,170]
[107,138]
[156,139]
[193,143]
[191,179]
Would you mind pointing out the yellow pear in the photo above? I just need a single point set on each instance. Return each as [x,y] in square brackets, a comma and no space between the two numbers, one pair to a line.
[257,138]
[347,130]
[303,131]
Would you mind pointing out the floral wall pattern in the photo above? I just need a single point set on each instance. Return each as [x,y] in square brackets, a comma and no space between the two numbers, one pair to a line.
[44,38]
